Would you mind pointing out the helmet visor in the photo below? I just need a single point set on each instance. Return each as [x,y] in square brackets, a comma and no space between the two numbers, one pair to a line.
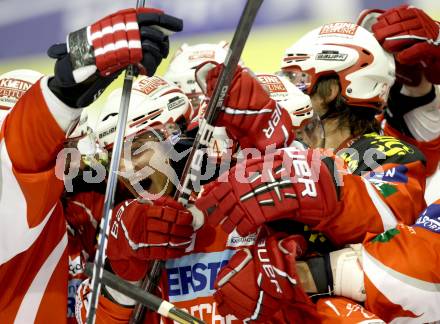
[299,78]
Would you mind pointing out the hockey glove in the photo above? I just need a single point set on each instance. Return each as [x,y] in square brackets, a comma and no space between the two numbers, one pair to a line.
[256,284]
[142,232]
[290,184]
[250,116]
[413,37]
[95,55]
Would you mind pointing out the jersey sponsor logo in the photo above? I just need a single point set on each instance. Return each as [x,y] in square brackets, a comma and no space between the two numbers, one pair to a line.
[389,145]
[71,296]
[75,266]
[235,240]
[344,28]
[207,312]
[331,56]
[396,174]
[193,276]
[430,219]
[352,160]
[384,181]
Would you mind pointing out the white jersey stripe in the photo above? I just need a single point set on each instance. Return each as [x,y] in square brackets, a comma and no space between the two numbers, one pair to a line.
[425,296]
[30,304]
[15,234]
[386,214]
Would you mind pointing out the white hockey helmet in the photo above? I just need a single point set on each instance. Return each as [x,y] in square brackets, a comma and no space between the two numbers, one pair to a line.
[366,72]
[297,103]
[187,58]
[155,105]
[13,85]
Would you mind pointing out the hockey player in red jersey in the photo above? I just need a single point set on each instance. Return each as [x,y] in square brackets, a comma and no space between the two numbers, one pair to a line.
[189,280]
[33,254]
[414,107]
[393,273]
[381,179]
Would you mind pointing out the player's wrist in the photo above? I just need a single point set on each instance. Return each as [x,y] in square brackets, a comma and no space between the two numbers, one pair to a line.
[424,88]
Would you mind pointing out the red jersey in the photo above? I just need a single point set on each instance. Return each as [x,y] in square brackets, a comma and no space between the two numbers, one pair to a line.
[35,248]
[401,276]
[381,182]
[33,238]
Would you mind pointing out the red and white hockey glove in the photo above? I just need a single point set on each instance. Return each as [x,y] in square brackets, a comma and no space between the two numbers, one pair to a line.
[413,37]
[256,284]
[141,232]
[296,185]
[95,55]
[250,116]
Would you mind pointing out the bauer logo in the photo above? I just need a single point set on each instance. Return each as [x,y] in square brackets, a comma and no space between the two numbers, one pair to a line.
[175,102]
[331,56]
[193,276]
[343,28]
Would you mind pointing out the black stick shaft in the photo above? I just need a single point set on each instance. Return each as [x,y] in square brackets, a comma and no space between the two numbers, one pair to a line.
[109,198]
[206,128]
[151,301]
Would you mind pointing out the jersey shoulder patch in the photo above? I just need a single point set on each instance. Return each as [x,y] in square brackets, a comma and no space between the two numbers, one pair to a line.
[372,150]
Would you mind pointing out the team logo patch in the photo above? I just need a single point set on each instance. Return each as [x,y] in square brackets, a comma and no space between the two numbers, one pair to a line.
[344,28]
[389,145]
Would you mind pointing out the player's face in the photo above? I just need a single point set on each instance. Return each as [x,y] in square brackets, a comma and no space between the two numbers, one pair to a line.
[137,167]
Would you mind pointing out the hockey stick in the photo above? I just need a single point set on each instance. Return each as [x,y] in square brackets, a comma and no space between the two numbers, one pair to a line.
[204,134]
[109,199]
[151,301]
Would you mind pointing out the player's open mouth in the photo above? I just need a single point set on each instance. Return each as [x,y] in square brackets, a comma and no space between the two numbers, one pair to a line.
[146,184]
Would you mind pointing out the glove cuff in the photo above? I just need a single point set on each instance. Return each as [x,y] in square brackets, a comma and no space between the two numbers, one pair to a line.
[346,265]
[400,104]
[81,54]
